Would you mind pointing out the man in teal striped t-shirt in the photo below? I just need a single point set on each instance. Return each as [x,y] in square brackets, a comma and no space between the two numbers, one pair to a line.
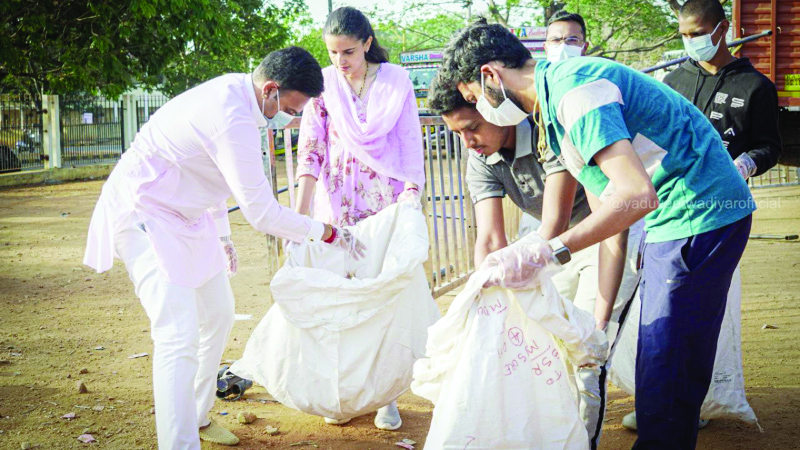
[640,150]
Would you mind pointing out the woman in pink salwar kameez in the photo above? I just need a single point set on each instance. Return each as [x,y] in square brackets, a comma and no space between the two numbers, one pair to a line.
[360,146]
[360,142]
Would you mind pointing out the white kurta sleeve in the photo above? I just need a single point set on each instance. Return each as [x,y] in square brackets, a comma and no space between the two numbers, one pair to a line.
[237,154]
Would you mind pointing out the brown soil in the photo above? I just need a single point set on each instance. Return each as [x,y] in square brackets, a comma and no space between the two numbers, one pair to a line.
[58,313]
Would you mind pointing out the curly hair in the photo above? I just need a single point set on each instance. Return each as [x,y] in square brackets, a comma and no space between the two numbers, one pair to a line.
[478,44]
[444,97]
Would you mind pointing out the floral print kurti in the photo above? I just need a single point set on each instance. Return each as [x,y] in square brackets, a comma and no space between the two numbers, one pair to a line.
[347,191]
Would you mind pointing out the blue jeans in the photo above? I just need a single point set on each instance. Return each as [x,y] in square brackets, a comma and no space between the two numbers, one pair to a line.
[684,288]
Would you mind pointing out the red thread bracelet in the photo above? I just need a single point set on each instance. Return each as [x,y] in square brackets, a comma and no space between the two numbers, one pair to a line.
[332,237]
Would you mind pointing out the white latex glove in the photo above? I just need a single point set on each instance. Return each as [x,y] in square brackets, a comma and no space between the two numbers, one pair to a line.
[745,165]
[230,252]
[516,266]
[347,242]
[412,197]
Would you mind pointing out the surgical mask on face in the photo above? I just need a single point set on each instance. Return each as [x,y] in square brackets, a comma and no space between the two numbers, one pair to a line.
[280,119]
[701,48]
[506,115]
[562,52]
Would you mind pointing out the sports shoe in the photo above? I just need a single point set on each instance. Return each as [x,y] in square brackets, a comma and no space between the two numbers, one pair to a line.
[215,433]
[330,421]
[629,422]
[388,418]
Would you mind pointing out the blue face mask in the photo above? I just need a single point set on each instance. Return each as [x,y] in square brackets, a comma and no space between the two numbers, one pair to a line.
[702,48]
[280,119]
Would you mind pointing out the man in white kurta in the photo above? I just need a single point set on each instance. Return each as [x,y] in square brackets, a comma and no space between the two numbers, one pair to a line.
[163,213]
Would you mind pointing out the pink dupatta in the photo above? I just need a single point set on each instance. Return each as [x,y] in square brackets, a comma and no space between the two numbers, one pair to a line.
[368,141]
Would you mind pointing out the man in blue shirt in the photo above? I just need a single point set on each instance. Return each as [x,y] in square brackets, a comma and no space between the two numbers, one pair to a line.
[640,150]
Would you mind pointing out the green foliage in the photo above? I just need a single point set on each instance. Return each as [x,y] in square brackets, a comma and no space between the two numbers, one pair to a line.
[635,32]
[236,44]
[421,34]
[312,41]
[107,46]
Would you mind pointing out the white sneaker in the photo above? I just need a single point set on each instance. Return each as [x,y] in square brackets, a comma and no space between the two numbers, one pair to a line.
[330,421]
[388,418]
[629,422]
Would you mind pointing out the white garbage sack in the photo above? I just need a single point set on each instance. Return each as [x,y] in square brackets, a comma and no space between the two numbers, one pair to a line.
[726,396]
[527,225]
[343,335]
[495,369]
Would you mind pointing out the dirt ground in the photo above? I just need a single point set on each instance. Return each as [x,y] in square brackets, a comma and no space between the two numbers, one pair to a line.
[59,318]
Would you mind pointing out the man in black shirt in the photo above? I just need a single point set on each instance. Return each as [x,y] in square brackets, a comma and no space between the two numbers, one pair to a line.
[740,102]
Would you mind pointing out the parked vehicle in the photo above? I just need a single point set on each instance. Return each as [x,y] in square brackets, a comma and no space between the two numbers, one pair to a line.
[770,30]
[19,140]
[776,56]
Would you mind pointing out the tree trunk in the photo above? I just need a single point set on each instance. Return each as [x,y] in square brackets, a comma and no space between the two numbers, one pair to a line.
[552,8]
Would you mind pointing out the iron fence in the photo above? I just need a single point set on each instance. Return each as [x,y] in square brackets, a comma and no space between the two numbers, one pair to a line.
[92,129]
[20,133]
[446,201]
[776,176]
[146,105]
[450,213]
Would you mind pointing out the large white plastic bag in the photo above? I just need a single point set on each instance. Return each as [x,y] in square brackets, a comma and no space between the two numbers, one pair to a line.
[495,369]
[726,395]
[343,335]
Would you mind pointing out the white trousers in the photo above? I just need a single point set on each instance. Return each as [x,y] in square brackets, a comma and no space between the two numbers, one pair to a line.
[189,328]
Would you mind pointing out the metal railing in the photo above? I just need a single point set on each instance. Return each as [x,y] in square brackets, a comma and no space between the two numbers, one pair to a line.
[446,202]
[20,133]
[146,105]
[92,130]
[449,209]
[776,176]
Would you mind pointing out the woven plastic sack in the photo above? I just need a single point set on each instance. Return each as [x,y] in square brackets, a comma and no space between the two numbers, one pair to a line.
[343,335]
[495,369]
[726,396]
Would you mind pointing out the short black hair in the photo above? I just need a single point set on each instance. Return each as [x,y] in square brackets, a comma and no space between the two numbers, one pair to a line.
[444,97]
[706,10]
[293,68]
[565,16]
[480,43]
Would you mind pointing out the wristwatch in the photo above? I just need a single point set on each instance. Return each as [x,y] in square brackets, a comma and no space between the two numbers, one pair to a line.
[560,251]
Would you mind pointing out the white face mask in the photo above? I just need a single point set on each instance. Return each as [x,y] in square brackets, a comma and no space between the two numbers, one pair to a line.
[563,51]
[701,48]
[506,115]
[280,119]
